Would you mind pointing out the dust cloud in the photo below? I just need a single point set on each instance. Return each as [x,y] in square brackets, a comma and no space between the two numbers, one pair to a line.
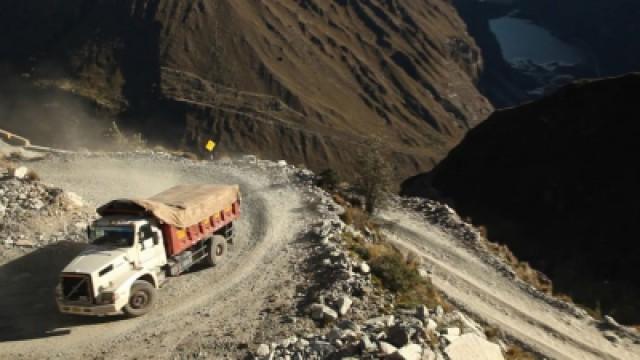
[49,116]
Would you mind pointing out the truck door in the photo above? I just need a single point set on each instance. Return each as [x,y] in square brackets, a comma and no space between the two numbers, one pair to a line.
[152,252]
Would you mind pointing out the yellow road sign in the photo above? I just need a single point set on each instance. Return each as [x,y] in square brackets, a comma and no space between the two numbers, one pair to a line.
[210,145]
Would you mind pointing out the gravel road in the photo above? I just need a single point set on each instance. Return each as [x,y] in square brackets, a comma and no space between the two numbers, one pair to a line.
[478,288]
[220,306]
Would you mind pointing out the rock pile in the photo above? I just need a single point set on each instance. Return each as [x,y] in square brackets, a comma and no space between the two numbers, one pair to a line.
[357,320]
[33,214]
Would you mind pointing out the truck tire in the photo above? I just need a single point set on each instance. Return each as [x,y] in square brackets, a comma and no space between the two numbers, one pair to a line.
[141,299]
[216,251]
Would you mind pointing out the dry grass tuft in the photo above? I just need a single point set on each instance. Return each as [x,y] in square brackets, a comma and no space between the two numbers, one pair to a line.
[397,273]
[32,175]
[517,353]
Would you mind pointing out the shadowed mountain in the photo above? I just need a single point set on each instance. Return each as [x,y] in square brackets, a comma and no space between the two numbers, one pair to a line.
[557,181]
[302,80]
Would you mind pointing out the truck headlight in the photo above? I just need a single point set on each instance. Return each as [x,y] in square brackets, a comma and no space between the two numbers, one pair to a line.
[108,297]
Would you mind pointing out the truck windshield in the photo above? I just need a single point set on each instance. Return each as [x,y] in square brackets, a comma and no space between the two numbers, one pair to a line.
[114,236]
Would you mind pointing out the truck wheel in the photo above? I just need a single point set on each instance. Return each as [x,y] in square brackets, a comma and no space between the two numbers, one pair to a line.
[216,251]
[141,299]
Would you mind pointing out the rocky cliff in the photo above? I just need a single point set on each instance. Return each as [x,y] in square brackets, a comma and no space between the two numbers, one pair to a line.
[557,181]
[303,80]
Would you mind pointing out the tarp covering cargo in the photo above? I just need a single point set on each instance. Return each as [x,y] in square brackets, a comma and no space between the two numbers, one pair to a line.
[180,206]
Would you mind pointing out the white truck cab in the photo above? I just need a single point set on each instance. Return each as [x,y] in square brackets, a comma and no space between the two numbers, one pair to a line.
[128,256]
[122,251]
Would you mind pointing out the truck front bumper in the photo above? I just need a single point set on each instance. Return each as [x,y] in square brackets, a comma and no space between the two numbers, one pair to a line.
[90,310]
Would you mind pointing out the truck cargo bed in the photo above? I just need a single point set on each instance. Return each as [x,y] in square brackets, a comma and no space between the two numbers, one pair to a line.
[178,239]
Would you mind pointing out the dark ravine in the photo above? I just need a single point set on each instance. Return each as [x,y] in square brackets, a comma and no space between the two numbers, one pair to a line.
[404,71]
[557,181]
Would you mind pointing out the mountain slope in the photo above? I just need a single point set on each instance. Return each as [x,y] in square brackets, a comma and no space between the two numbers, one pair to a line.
[557,180]
[317,76]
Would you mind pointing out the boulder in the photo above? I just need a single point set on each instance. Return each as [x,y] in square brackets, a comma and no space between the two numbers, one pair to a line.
[367,345]
[431,326]
[399,335]
[263,350]
[19,172]
[386,320]
[471,346]
[439,311]
[344,304]
[323,312]
[73,200]
[364,268]
[386,348]
[422,312]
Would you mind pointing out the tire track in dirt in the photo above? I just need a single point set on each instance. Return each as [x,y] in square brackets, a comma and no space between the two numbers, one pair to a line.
[477,287]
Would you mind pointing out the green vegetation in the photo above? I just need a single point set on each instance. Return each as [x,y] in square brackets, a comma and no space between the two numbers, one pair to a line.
[391,269]
[374,177]
[329,179]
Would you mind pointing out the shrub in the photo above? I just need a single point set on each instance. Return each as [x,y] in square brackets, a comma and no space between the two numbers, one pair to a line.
[328,179]
[396,273]
[517,353]
[374,177]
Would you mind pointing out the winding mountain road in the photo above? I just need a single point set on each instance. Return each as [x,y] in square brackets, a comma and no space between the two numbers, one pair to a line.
[221,302]
[481,290]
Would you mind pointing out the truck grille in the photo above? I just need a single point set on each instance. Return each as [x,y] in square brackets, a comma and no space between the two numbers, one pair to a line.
[77,288]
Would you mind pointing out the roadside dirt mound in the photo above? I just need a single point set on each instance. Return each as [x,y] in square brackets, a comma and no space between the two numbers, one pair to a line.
[301,80]
[557,181]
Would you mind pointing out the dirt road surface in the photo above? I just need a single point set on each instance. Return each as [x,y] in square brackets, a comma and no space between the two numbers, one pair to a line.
[211,310]
[218,312]
[481,290]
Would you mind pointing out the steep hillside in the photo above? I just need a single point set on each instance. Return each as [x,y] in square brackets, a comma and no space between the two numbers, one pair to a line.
[303,80]
[557,180]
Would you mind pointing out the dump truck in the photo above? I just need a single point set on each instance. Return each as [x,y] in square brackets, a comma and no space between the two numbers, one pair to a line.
[137,244]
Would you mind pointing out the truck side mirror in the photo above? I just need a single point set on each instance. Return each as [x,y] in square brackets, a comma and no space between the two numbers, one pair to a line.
[154,235]
[145,232]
